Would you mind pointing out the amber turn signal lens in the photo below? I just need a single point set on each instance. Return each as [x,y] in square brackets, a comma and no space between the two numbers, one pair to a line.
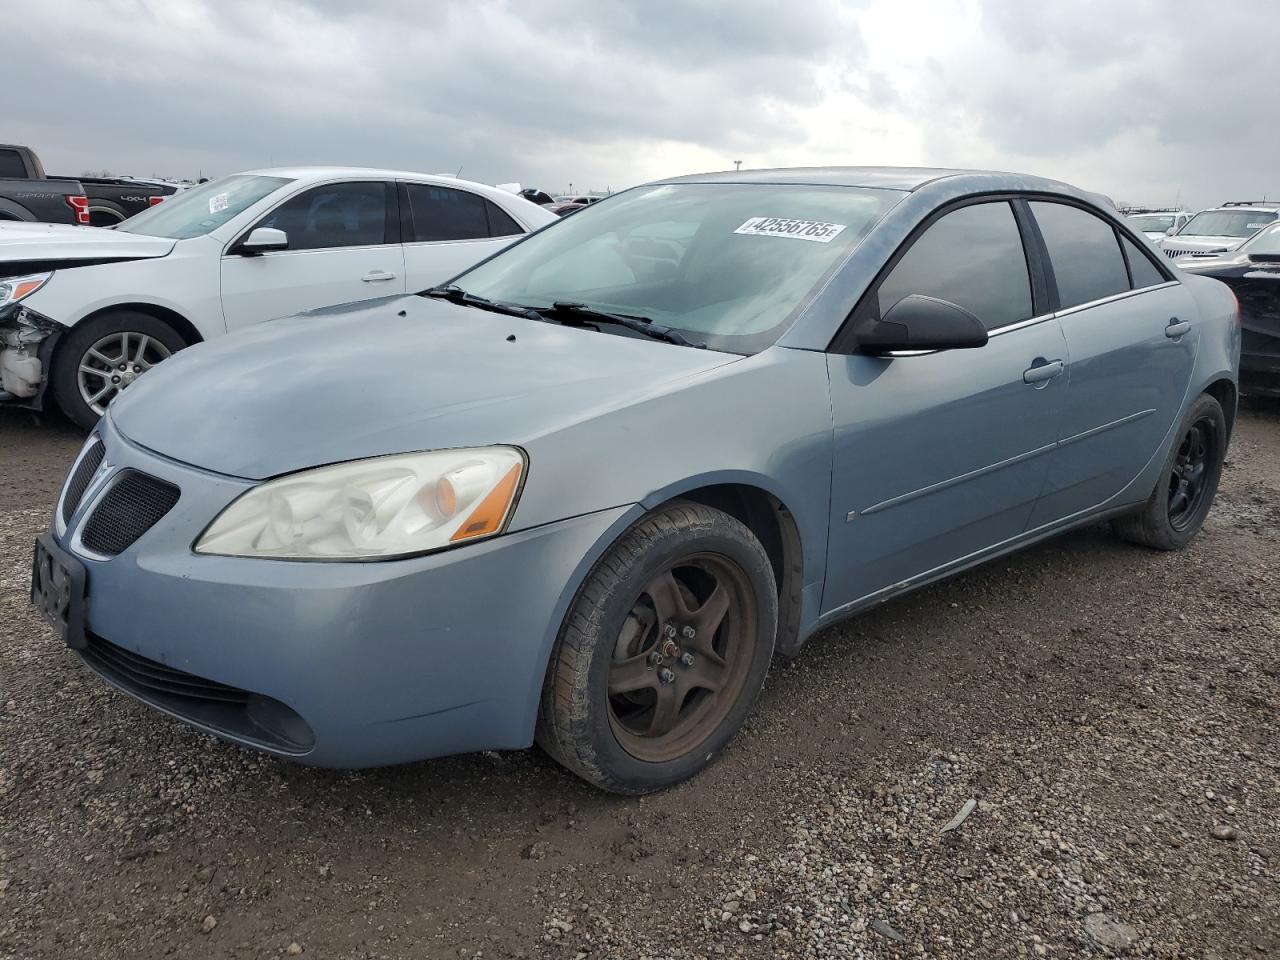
[491,512]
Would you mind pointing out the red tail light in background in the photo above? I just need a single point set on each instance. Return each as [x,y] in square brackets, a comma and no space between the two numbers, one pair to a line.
[152,201]
[80,204]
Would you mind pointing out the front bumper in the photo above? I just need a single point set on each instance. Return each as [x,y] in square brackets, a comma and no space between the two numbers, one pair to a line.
[342,664]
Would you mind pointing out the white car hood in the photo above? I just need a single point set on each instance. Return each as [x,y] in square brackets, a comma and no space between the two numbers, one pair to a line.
[60,242]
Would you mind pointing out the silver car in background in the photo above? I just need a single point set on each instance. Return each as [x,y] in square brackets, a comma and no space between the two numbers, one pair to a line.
[1220,229]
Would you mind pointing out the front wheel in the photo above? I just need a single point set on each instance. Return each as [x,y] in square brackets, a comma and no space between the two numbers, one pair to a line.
[662,653]
[103,356]
[1176,509]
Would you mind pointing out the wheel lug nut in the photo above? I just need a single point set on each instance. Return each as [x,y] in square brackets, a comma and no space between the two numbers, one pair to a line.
[655,659]
[115,379]
[124,366]
[688,633]
[669,649]
[669,631]
[686,659]
[665,675]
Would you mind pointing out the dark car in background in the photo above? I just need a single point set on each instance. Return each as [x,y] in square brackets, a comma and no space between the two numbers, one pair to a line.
[38,199]
[103,201]
[1253,274]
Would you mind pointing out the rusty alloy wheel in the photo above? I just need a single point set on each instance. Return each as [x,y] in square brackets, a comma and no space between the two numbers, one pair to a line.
[682,657]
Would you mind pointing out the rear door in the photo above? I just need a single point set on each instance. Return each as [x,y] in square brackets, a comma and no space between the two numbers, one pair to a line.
[1131,349]
[343,247]
[448,229]
[941,456]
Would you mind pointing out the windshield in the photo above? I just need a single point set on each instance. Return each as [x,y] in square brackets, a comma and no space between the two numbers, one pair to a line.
[1227,223]
[1152,224]
[728,264]
[197,211]
[1266,243]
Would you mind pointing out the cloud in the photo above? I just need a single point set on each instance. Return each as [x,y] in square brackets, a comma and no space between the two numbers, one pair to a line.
[1144,100]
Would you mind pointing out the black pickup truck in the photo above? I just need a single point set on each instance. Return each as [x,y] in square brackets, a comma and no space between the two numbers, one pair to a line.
[103,201]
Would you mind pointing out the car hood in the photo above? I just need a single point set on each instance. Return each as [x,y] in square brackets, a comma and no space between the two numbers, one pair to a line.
[391,376]
[61,242]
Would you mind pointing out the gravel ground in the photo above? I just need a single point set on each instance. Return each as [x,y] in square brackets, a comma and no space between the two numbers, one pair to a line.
[1111,712]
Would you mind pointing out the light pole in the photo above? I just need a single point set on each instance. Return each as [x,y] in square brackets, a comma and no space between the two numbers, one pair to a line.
[737,165]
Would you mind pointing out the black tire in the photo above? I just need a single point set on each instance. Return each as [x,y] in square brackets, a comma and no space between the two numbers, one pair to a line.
[1171,517]
[74,350]
[579,722]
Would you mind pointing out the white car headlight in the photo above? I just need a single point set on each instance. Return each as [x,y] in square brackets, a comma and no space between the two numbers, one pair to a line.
[375,509]
[13,289]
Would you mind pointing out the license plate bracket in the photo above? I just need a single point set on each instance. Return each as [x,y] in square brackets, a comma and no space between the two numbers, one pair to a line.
[58,590]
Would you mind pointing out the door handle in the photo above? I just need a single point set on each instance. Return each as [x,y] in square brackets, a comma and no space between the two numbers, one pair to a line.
[1176,328]
[375,276]
[1043,371]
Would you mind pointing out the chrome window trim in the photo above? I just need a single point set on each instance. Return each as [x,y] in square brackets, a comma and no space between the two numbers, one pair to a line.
[1125,294]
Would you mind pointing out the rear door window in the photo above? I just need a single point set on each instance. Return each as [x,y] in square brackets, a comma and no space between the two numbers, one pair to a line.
[440,213]
[973,257]
[1083,250]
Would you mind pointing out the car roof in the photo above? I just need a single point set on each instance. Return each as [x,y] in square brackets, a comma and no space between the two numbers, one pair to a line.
[318,173]
[944,183]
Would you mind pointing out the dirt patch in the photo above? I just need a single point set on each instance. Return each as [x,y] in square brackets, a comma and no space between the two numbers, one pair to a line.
[1112,711]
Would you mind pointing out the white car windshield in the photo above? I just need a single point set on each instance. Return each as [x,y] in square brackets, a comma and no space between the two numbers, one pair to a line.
[197,211]
[1152,224]
[727,264]
[1266,243]
[1227,223]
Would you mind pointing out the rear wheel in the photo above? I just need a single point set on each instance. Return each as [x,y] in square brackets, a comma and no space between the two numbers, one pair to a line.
[663,652]
[1176,509]
[103,356]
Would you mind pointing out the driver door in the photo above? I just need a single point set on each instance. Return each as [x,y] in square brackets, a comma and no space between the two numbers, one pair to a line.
[343,247]
[941,456]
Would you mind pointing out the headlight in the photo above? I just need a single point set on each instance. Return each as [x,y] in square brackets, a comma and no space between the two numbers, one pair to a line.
[13,289]
[373,509]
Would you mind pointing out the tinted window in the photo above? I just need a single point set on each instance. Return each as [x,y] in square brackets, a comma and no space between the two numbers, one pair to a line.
[500,225]
[443,214]
[1086,258]
[335,215]
[1144,272]
[11,165]
[973,257]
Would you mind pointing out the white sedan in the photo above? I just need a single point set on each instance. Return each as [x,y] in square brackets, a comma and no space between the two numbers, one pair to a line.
[85,311]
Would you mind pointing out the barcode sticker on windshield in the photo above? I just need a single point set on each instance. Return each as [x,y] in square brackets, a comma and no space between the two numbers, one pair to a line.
[814,230]
[1254,226]
[218,203]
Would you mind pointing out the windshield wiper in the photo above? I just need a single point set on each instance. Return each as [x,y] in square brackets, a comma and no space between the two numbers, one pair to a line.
[582,314]
[455,294]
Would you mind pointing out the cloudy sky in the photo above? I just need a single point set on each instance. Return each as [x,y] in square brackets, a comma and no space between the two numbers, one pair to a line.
[1147,100]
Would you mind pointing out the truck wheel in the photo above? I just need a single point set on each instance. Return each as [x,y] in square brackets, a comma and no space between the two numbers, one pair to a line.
[662,653]
[102,356]
[1176,509]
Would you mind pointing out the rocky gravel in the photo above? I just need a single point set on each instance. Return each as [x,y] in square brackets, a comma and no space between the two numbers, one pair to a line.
[1107,716]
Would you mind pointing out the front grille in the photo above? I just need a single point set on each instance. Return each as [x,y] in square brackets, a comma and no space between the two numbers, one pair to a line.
[240,714]
[129,509]
[79,481]
[148,676]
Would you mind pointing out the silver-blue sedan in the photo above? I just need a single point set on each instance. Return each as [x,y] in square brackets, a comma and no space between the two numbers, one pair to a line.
[585,493]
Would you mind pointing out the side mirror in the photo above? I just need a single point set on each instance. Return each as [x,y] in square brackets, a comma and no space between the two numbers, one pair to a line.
[263,239]
[1171,231]
[917,322]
